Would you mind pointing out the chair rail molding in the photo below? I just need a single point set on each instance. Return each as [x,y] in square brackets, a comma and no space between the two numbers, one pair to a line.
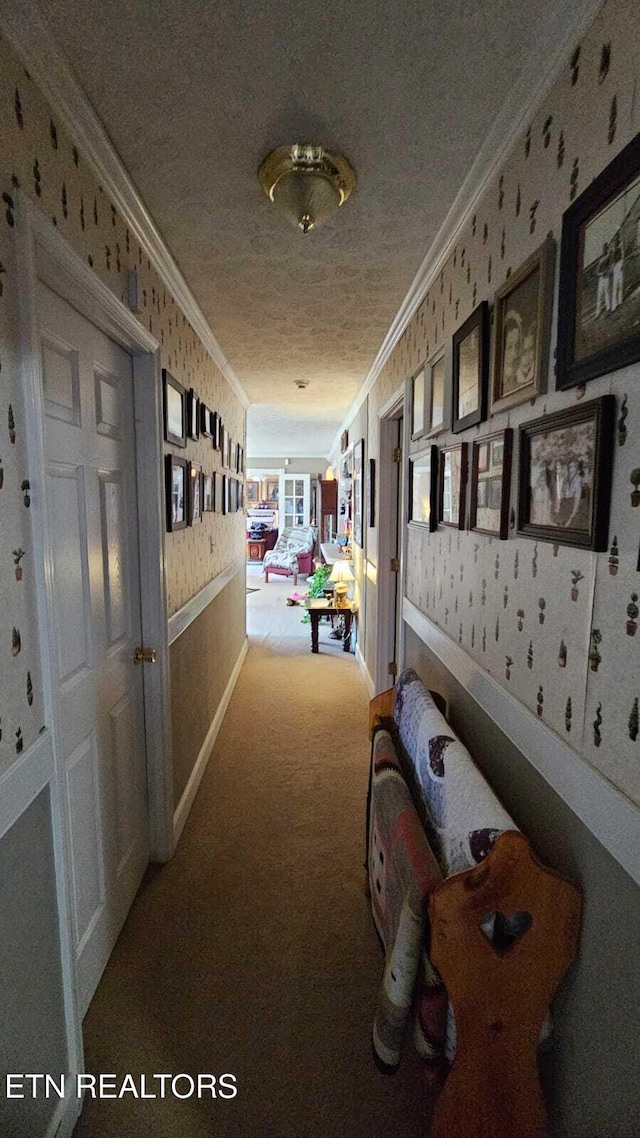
[606,812]
[185,616]
[25,28]
[557,37]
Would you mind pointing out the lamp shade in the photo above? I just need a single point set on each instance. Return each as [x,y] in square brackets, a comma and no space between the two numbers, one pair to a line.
[341,572]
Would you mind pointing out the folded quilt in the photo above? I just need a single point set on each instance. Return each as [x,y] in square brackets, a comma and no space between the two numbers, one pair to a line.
[402,874]
[461,814]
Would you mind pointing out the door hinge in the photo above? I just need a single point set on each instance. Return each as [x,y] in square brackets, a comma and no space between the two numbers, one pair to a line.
[392,668]
[396,454]
[144,656]
[395,564]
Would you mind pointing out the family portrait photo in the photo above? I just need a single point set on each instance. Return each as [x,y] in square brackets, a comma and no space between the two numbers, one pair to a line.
[520,337]
[608,289]
[522,324]
[561,477]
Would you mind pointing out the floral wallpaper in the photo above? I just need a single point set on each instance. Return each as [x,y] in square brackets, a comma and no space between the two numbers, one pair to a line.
[555,625]
[40,160]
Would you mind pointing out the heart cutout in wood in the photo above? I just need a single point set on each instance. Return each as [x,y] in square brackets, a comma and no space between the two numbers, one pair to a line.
[503,930]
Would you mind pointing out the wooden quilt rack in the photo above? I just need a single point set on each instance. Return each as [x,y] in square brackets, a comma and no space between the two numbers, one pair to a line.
[500,995]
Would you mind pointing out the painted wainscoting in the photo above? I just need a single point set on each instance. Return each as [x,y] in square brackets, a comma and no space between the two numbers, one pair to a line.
[591,1071]
[207,647]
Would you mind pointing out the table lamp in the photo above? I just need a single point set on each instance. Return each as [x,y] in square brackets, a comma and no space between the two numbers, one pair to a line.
[342,576]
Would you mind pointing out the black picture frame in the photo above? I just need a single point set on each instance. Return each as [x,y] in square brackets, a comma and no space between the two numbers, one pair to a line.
[194,475]
[176,517]
[175,410]
[457,520]
[477,325]
[505,436]
[225,494]
[205,421]
[423,487]
[608,276]
[371,493]
[546,495]
[216,430]
[193,415]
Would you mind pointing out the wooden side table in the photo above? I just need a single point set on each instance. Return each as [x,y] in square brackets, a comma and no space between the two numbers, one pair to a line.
[330,608]
[255,548]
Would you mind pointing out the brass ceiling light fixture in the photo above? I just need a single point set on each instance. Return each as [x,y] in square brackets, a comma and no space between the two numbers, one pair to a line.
[307,183]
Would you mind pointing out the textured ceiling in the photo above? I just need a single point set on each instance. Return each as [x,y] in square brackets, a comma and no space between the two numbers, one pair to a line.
[194,94]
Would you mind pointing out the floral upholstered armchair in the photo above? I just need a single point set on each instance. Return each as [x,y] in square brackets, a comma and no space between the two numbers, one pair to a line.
[292,553]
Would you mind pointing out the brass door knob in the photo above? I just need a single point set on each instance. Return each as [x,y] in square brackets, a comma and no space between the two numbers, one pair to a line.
[144,656]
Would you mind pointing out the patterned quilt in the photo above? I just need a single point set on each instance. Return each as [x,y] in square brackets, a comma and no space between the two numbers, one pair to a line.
[461,814]
[402,873]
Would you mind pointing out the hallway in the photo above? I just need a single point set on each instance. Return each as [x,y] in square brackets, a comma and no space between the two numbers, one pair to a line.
[253,951]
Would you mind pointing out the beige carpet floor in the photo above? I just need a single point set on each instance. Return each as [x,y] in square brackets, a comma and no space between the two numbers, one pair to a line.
[253,951]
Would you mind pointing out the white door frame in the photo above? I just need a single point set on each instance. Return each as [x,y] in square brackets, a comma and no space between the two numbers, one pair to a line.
[388,416]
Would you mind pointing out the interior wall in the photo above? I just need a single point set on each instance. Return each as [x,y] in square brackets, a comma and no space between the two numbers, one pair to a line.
[218,635]
[514,600]
[592,1073]
[32,1038]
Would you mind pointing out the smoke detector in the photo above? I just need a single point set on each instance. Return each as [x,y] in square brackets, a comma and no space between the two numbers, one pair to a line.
[301,383]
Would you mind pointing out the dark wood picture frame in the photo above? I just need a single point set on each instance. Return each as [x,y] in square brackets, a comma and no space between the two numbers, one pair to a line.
[478,321]
[601,412]
[194,477]
[175,462]
[526,357]
[371,493]
[506,436]
[459,522]
[593,203]
[225,494]
[431,522]
[193,415]
[205,421]
[344,442]
[170,386]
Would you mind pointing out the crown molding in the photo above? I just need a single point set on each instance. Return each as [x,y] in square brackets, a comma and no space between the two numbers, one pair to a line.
[556,40]
[26,30]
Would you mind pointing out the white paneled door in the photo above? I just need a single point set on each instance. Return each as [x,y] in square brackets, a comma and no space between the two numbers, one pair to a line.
[89,435]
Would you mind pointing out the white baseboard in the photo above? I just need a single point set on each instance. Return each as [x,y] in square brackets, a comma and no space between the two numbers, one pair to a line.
[608,814]
[66,1113]
[181,812]
[366,674]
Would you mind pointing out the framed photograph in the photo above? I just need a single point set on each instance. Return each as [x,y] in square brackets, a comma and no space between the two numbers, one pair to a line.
[371,493]
[417,403]
[229,463]
[224,494]
[176,492]
[216,493]
[194,473]
[522,324]
[193,415]
[423,481]
[175,410]
[207,493]
[224,444]
[358,491]
[470,370]
[435,393]
[216,430]
[565,475]
[491,483]
[599,295]
[205,421]
[253,492]
[452,486]
[344,441]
